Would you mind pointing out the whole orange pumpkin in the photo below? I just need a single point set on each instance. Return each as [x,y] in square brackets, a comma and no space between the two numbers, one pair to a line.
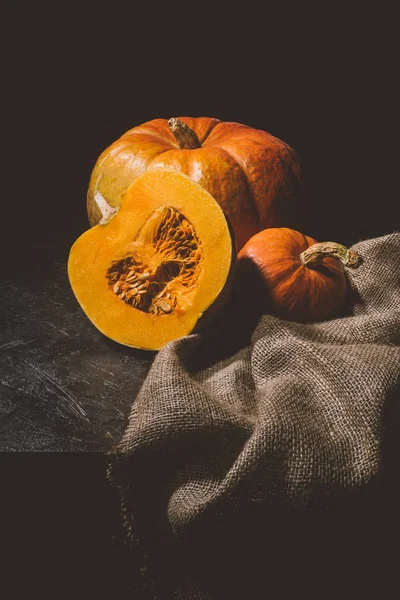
[282,271]
[252,174]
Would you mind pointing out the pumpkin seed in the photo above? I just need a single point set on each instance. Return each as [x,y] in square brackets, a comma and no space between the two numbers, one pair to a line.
[165,307]
[144,276]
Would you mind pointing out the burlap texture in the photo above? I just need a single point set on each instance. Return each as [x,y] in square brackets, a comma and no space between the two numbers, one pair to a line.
[288,422]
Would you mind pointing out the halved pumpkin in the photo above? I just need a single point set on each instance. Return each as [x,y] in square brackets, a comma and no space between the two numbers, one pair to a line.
[148,274]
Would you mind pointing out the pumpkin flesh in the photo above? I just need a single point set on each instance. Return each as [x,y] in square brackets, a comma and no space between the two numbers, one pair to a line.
[171,241]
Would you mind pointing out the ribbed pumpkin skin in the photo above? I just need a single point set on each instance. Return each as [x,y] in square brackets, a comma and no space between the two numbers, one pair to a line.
[252,174]
[270,275]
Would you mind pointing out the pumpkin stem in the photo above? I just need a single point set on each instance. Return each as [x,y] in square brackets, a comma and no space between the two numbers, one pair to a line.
[315,253]
[185,136]
[107,211]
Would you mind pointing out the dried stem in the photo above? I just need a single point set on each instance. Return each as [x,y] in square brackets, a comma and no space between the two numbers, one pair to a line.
[315,253]
[186,137]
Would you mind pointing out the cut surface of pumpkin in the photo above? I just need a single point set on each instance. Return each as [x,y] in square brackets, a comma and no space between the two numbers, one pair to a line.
[148,274]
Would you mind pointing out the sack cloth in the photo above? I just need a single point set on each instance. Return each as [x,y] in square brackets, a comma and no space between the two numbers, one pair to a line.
[236,465]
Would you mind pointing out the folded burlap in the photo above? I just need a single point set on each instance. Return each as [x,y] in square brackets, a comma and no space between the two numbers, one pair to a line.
[226,455]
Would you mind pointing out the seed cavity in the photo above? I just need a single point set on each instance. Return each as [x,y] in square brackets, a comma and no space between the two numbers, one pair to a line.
[159,276]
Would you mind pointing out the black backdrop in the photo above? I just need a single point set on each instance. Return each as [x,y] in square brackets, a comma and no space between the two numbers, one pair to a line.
[76,79]
[78,76]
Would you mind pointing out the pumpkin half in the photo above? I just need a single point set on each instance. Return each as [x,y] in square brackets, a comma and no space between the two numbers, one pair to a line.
[282,271]
[149,272]
[253,175]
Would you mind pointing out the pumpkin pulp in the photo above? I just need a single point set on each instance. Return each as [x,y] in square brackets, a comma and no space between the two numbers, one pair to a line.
[160,272]
[147,276]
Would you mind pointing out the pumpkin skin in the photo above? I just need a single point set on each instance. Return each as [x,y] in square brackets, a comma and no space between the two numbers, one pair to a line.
[161,267]
[253,175]
[271,277]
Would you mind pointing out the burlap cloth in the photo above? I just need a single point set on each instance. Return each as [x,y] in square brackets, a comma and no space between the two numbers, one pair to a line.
[246,464]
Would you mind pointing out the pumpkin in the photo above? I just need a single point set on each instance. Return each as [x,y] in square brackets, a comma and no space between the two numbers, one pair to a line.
[282,271]
[253,175]
[159,266]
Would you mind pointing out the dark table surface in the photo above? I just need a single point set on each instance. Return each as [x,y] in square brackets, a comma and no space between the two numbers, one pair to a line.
[63,385]
[65,396]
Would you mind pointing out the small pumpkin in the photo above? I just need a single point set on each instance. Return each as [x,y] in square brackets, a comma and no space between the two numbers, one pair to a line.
[159,266]
[253,175]
[282,271]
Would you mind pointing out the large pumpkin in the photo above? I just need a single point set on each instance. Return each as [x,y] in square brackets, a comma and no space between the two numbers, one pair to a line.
[253,175]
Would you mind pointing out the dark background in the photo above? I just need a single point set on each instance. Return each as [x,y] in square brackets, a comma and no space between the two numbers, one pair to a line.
[75,78]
